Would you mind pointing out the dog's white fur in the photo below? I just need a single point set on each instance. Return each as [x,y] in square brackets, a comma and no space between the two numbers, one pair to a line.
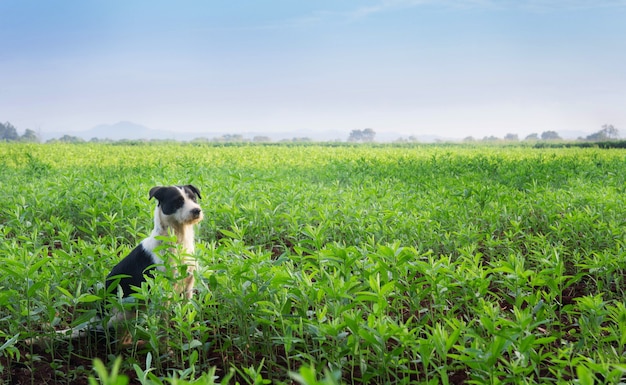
[181,225]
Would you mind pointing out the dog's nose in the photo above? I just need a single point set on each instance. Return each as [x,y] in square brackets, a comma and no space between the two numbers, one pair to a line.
[196,212]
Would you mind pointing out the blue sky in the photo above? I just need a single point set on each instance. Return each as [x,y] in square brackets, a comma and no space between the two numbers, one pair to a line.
[452,68]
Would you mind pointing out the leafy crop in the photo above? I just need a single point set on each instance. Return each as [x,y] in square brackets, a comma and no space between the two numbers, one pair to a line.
[322,264]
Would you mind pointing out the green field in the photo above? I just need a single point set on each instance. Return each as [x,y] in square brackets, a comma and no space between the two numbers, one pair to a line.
[323,264]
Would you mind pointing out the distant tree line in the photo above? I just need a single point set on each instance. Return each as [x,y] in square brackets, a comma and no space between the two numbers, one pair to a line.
[228,138]
[8,133]
[608,133]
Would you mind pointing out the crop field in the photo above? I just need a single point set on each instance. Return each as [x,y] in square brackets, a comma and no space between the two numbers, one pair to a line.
[321,264]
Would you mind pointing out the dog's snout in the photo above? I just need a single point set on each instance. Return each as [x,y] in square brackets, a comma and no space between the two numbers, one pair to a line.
[196,212]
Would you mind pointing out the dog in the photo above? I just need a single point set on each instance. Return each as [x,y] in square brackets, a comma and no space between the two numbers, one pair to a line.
[176,213]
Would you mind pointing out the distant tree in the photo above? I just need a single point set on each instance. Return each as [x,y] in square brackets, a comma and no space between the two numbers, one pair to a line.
[262,139]
[107,140]
[29,136]
[8,132]
[71,139]
[533,136]
[596,136]
[608,132]
[229,138]
[355,136]
[511,137]
[611,131]
[410,139]
[490,138]
[469,139]
[550,135]
[366,135]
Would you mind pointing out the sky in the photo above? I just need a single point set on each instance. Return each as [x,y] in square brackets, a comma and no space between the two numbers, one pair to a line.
[452,68]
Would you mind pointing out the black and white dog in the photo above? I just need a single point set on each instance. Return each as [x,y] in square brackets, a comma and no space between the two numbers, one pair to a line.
[175,214]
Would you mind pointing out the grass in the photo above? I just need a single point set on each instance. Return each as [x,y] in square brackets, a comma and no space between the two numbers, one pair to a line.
[323,264]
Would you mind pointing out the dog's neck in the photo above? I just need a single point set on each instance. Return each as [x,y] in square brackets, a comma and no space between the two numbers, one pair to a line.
[184,233]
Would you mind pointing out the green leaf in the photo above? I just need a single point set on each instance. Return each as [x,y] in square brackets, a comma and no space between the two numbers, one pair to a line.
[65,292]
[87,298]
[32,269]
[585,375]
[10,342]
[230,234]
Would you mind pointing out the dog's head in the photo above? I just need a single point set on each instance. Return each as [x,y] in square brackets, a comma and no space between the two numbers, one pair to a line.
[178,203]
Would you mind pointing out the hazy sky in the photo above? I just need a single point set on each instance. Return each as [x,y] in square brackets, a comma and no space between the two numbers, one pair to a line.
[447,67]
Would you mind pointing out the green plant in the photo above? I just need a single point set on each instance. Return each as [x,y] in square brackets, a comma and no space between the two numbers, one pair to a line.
[321,264]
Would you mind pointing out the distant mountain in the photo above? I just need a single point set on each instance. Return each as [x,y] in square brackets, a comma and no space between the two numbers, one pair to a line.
[124,130]
[118,131]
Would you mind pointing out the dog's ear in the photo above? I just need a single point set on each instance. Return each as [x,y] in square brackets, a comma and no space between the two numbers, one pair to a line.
[156,192]
[194,189]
